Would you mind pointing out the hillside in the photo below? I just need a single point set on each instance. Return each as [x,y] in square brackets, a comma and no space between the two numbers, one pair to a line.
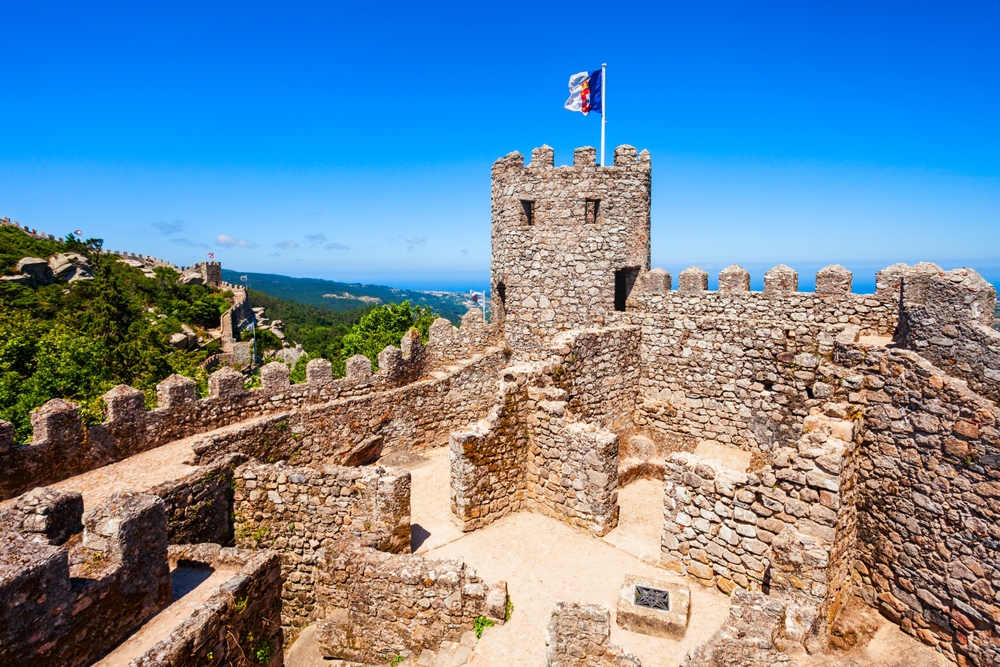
[341,297]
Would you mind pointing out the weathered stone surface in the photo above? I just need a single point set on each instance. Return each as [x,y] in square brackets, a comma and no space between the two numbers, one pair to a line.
[579,635]
[656,622]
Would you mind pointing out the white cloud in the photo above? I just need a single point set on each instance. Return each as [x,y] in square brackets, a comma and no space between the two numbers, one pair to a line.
[228,241]
[414,241]
[464,251]
[335,246]
[316,239]
[286,244]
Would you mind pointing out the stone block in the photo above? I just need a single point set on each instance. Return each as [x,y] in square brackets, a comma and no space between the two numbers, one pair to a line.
[781,280]
[734,278]
[671,622]
[543,156]
[692,279]
[359,366]
[175,390]
[833,279]
[225,383]
[625,156]
[274,377]
[585,156]
[319,371]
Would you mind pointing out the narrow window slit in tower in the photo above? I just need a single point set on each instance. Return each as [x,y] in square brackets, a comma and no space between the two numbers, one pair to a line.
[593,208]
[529,211]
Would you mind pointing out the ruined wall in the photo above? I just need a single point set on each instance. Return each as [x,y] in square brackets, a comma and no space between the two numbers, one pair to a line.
[488,462]
[601,371]
[579,635]
[554,254]
[199,506]
[377,605]
[947,318]
[301,511]
[342,415]
[739,367]
[928,506]
[69,605]
[239,625]
[529,452]
[775,527]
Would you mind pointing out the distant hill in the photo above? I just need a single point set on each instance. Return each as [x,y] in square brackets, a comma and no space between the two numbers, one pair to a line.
[348,296]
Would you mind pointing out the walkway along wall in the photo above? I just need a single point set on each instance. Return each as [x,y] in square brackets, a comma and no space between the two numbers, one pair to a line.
[411,403]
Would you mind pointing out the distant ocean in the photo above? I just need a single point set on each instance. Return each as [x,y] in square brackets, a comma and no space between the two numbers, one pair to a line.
[864,276]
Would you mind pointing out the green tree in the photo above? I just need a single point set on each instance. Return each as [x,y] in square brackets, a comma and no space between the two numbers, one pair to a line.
[384,326]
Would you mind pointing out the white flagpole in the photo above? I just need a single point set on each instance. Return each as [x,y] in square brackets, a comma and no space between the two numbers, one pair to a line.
[604,105]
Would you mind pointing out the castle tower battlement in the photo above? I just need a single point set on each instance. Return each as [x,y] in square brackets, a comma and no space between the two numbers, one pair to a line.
[568,242]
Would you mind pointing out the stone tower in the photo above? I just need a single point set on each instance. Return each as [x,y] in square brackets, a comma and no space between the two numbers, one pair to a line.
[568,242]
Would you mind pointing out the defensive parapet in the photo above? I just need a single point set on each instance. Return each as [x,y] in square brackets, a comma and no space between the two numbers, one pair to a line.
[118,574]
[61,446]
[568,242]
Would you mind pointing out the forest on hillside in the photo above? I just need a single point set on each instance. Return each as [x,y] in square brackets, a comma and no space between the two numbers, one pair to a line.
[76,340]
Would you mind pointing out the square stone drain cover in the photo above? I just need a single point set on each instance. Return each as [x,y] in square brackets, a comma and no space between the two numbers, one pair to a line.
[652,607]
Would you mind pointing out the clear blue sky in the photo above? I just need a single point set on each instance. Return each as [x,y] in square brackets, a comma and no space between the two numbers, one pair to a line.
[354,140]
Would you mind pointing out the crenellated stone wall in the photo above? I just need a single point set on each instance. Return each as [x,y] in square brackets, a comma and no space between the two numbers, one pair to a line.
[68,605]
[407,403]
[738,367]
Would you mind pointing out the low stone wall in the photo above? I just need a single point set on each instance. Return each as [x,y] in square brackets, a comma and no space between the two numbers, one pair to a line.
[928,502]
[300,512]
[739,367]
[404,386]
[239,625]
[528,453]
[775,527]
[199,507]
[579,635]
[69,605]
[753,636]
[376,605]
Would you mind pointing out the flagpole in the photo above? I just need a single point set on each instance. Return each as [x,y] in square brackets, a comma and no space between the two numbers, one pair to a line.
[604,105]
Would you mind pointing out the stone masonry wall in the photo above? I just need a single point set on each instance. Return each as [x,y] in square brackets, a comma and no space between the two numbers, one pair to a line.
[947,317]
[199,506]
[742,368]
[409,412]
[554,268]
[300,512]
[775,527]
[929,503]
[239,625]
[601,372]
[579,635]
[530,453]
[69,605]
[376,606]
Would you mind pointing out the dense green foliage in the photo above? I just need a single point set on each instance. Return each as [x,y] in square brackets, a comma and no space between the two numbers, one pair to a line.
[341,297]
[317,330]
[385,326]
[78,340]
[15,244]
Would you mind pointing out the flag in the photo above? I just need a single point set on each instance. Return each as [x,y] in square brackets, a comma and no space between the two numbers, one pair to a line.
[243,279]
[586,92]
[211,255]
[79,232]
